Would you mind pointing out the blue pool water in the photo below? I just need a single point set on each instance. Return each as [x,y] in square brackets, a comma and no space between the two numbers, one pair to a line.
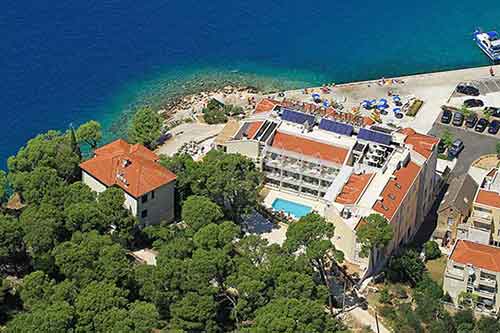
[65,62]
[295,209]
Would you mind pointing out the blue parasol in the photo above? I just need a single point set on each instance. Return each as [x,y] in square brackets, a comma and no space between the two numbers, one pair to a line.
[396,98]
[382,106]
[382,101]
[316,96]
[326,103]
[396,110]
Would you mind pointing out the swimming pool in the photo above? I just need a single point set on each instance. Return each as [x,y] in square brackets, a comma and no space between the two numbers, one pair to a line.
[290,207]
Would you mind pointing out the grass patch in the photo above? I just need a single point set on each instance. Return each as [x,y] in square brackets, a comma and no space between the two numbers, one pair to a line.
[436,268]
[414,108]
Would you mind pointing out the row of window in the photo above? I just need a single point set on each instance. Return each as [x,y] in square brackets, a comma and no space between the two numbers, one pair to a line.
[145,198]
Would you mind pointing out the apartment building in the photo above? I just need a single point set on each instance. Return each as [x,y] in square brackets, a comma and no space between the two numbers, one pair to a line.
[148,187]
[474,269]
[484,223]
[351,168]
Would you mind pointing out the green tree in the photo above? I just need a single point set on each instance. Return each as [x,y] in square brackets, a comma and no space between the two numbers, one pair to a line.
[146,127]
[216,116]
[12,247]
[374,236]
[36,289]
[54,318]
[230,180]
[96,298]
[384,296]
[3,187]
[184,168]
[144,316]
[89,133]
[428,295]
[199,211]
[431,250]
[41,184]
[92,257]
[487,325]
[85,217]
[77,193]
[195,313]
[51,150]
[294,315]
[465,111]
[313,234]
[497,149]
[117,217]
[447,138]
[407,267]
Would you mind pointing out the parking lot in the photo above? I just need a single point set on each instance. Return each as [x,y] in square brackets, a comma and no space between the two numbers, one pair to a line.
[476,145]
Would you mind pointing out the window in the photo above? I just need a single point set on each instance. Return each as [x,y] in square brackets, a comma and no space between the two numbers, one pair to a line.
[450,221]
[153,194]
[481,209]
[144,213]
[144,198]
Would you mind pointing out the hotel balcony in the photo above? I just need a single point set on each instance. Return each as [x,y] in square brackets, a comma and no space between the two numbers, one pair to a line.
[482,217]
[487,282]
[485,294]
[456,274]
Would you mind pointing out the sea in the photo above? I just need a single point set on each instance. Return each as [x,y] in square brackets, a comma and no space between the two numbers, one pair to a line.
[65,62]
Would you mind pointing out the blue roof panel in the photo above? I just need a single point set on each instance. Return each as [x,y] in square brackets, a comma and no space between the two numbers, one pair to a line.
[336,127]
[297,117]
[374,136]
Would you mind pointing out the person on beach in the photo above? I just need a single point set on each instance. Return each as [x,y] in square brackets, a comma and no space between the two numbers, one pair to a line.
[492,71]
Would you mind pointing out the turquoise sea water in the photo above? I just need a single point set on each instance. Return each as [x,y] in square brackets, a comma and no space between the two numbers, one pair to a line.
[67,62]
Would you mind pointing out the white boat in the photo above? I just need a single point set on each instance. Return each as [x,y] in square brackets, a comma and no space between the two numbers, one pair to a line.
[489,42]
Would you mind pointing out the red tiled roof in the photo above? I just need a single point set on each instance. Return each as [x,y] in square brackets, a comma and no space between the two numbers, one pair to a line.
[142,173]
[488,198]
[353,189]
[367,121]
[252,129]
[396,189]
[310,147]
[265,105]
[477,255]
[422,144]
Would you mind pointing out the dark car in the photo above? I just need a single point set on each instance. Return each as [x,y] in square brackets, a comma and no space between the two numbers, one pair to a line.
[456,148]
[458,119]
[481,125]
[471,120]
[467,90]
[473,103]
[494,112]
[494,127]
[441,147]
[446,117]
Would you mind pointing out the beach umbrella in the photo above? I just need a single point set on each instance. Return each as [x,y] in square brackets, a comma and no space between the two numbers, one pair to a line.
[373,101]
[316,96]
[366,104]
[396,98]
[382,106]
[326,103]
[382,101]
[396,110]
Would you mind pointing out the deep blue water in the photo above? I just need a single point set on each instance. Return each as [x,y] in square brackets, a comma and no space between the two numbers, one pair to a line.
[65,62]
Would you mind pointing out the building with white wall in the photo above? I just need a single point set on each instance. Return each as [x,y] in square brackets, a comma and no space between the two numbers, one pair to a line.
[148,187]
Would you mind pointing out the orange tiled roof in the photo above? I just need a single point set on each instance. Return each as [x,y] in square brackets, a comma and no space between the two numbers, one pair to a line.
[395,190]
[141,175]
[422,144]
[252,129]
[367,121]
[477,255]
[310,147]
[265,105]
[488,198]
[353,189]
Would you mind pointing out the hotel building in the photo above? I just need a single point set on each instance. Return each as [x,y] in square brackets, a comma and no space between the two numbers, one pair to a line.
[344,167]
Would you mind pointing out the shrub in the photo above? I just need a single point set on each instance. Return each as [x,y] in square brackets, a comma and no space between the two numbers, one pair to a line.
[384,297]
[431,250]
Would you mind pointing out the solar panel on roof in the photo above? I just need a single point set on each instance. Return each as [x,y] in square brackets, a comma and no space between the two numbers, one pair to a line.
[368,135]
[336,127]
[297,117]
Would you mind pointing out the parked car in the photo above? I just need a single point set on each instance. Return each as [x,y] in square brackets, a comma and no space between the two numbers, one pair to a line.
[398,115]
[467,90]
[494,127]
[458,119]
[473,103]
[441,147]
[495,112]
[481,125]
[456,148]
[471,120]
[446,117]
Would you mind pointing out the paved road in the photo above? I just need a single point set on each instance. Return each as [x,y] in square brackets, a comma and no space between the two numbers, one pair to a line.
[476,145]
